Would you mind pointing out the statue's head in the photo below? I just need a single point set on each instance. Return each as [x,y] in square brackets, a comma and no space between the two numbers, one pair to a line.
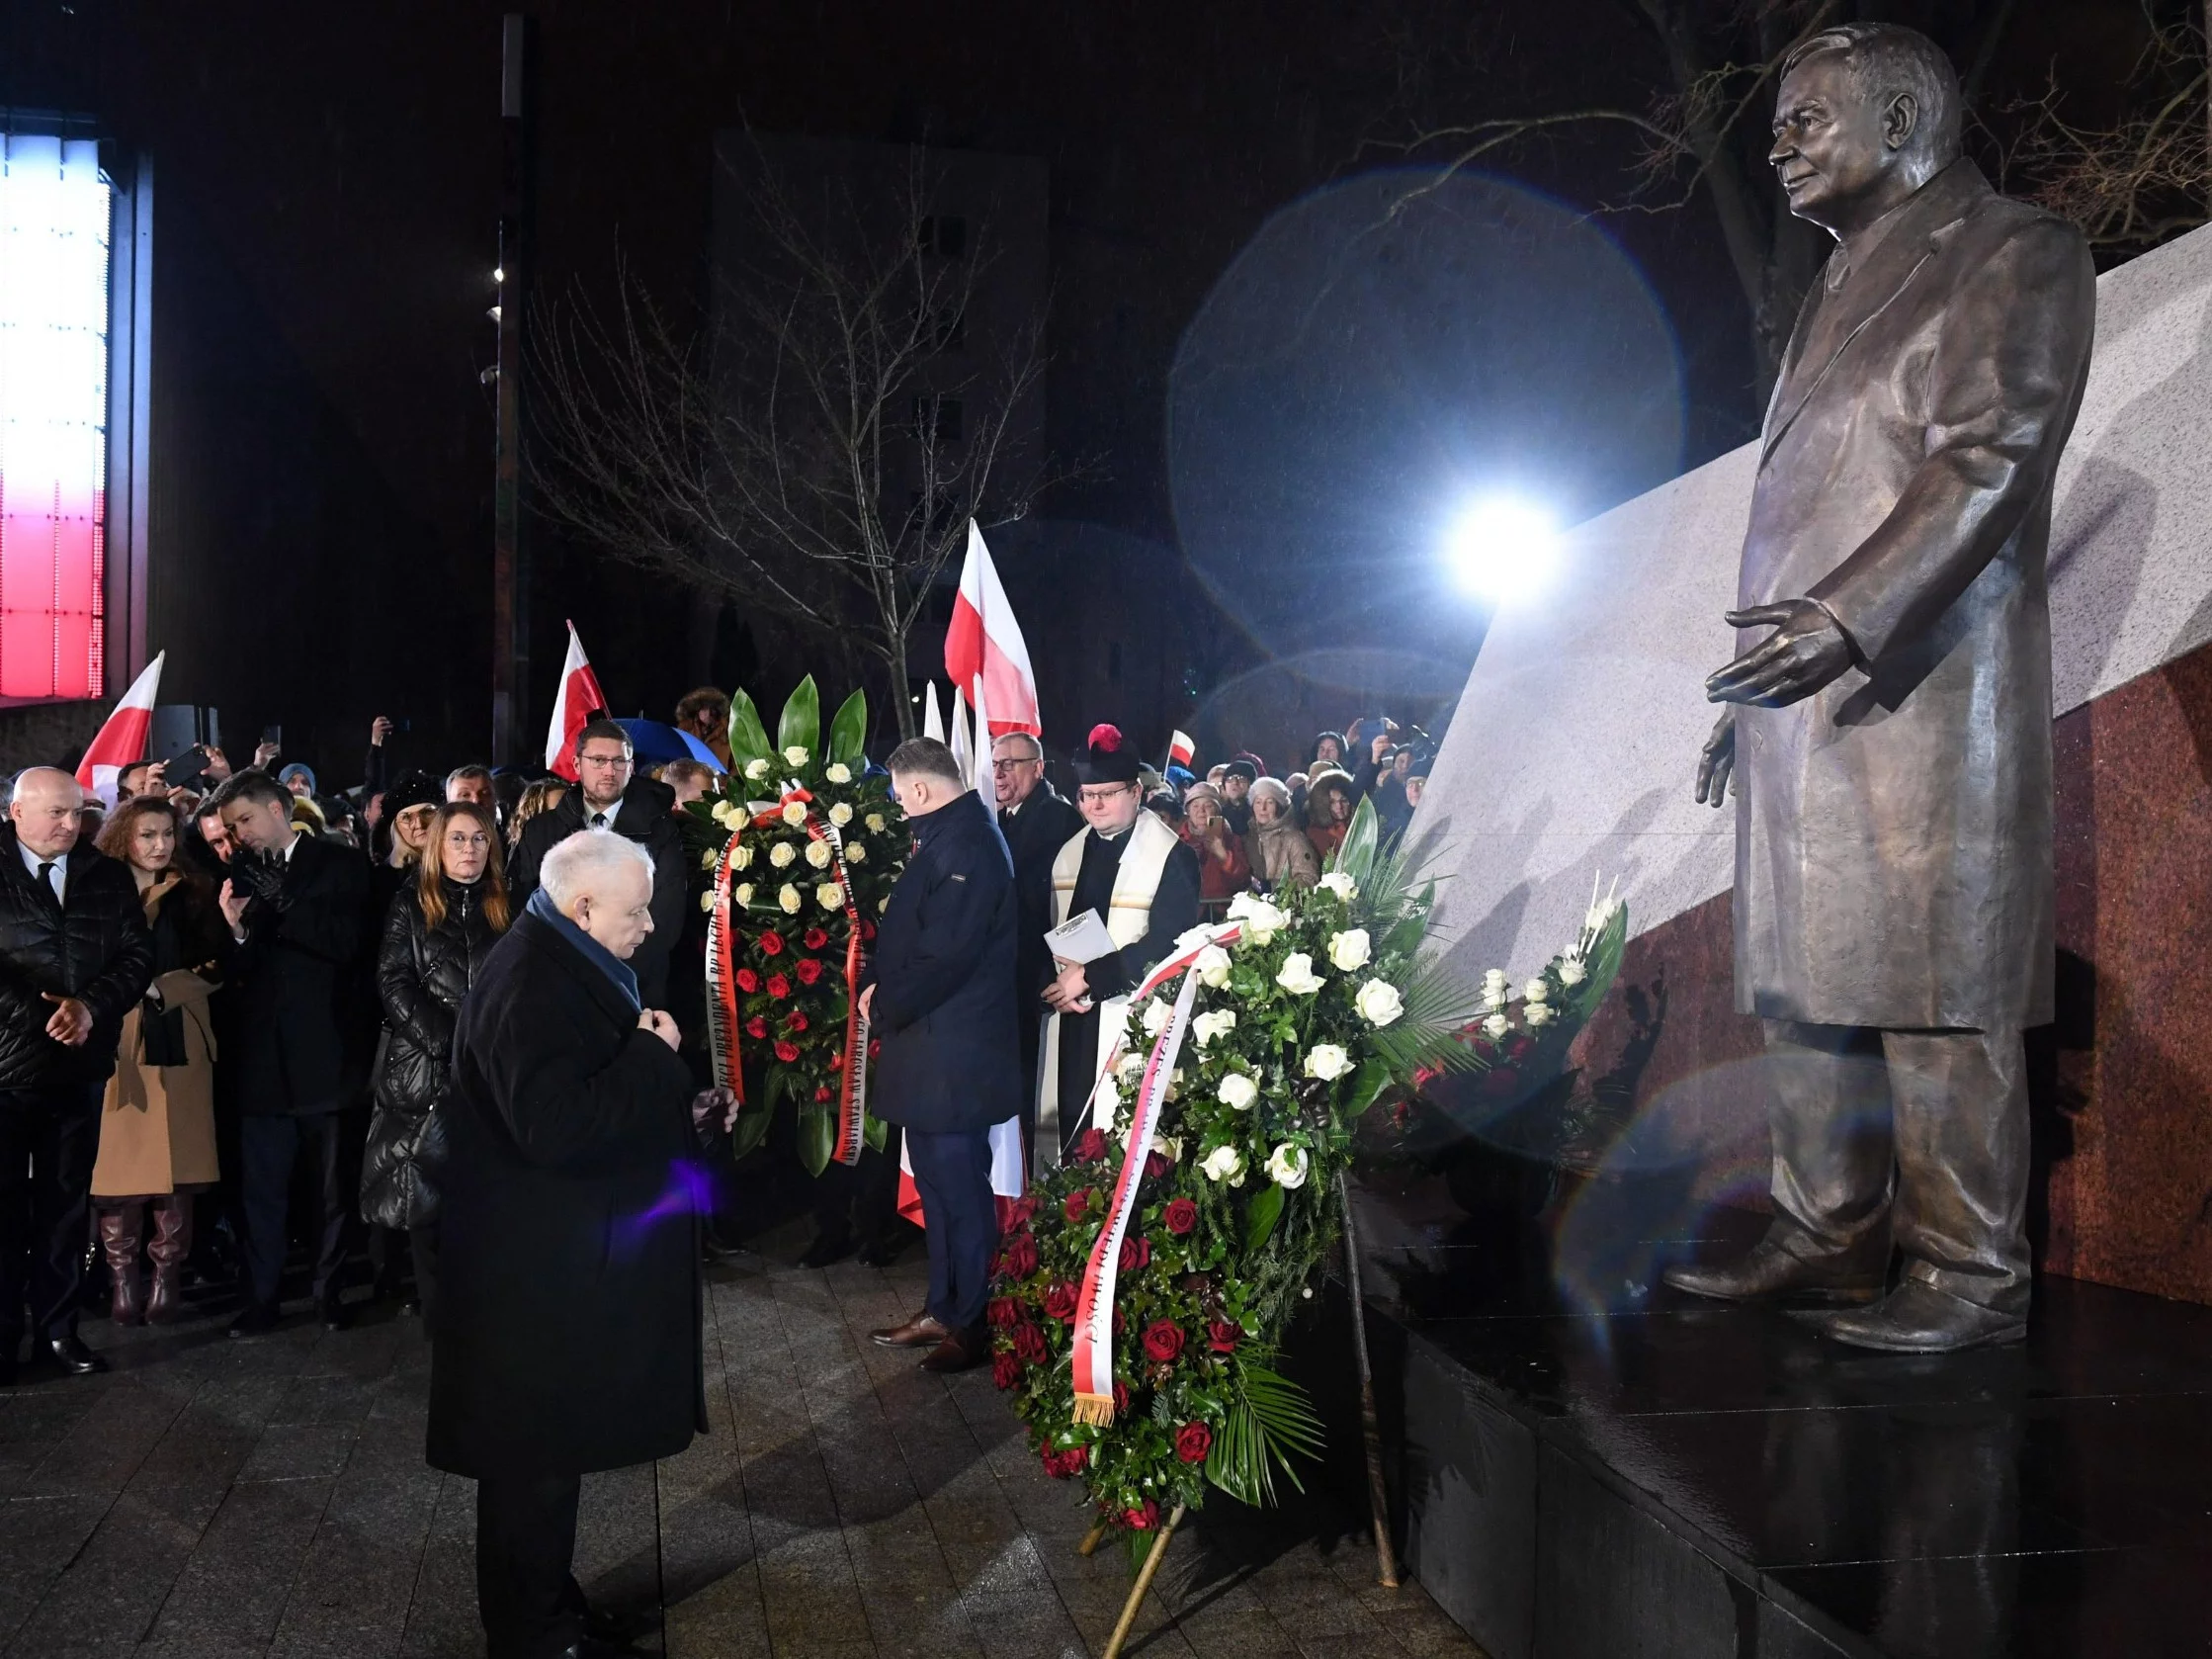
[1867,113]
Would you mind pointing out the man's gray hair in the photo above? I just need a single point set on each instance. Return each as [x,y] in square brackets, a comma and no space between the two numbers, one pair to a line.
[925,758]
[584,859]
[1883,59]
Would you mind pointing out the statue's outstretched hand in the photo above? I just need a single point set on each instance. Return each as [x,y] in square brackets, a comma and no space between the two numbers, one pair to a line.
[1716,762]
[1806,652]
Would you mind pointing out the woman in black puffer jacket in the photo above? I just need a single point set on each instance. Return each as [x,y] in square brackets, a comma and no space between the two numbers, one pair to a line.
[437,934]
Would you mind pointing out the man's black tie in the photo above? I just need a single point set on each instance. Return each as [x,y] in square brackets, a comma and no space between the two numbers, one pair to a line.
[599,821]
[45,880]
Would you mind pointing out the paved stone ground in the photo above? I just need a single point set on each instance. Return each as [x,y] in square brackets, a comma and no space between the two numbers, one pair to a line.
[213,1499]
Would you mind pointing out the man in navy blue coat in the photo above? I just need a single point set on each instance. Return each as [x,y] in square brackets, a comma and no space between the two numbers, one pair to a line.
[940,998]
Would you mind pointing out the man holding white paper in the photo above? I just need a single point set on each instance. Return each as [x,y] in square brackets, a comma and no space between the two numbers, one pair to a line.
[1137,883]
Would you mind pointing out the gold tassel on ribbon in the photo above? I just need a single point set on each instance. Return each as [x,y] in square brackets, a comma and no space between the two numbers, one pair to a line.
[1094,1410]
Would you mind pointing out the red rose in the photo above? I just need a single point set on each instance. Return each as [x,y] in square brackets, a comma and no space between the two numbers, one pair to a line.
[1222,1335]
[807,970]
[1077,1202]
[1192,1442]
[1181,1215]
[866,928]
[1061,1464]
[771,944]
[794,1022]
[1090,1146]
[757,1027]
[786,1052]
[778,985]
[1137,1251]
[1029,1343]
[816,938]
[1163,1341]
[1519,1049]
[1059,1301]
[1003,1312]
[1025,1207]
[837,1061]
[825,1093]
[747,980]
[1142,1519]
[1157,1166]
[1121,1398]
[1021,1257]
[1005,1370]
[1121,1324]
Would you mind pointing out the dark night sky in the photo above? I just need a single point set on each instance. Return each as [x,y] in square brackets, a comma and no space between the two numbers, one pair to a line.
[346,159]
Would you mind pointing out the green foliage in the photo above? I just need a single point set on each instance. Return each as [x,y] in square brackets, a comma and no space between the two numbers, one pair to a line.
[1260,1216]
[875,1131]
[748,738]
[848,732]
[817,1137]
[800,725]
[1271,1423]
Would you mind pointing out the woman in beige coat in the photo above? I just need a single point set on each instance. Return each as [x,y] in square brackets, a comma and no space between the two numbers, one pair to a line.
[157,1124]
[1276,847]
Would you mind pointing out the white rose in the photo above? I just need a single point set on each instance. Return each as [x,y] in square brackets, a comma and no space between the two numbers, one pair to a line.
[1224,1163]
[1540,1014]
[709,859]
[1571,972]
[1206,1026]
[1377,1003]
[1169,1146]
[819,854]
[830,896]
[722,811]
[1191,936]
[756,768]
[782,854]
[854,853]
[840,815]
[875,823]
[1339,883]
[1326,1062]
[1261,919]
[1105,1104]
[1496,1027]
[1236,1092]
[1131,1065]
[789,899]
[706,899]
[1298,976]
[1287,1164]
[838,773]
[742,893]
[1211,967]
[1496,993]
[795,756]
[795,813]
[1349,949]
[1155,1016]
[741,859]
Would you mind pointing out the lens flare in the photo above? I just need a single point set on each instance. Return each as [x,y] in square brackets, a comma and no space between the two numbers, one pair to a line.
[1502,547]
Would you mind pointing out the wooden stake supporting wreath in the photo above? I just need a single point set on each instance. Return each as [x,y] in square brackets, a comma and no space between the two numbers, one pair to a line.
[1378,1498]
[1143,1582]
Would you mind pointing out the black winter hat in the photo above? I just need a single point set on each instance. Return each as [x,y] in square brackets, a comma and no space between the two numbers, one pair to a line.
[1108,759]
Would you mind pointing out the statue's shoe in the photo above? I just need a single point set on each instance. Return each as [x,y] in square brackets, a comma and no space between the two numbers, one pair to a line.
[1770,1273]
[1916,1318]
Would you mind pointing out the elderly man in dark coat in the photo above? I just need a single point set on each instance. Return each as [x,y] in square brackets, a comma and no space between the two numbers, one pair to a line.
[941,998]
[1037,822]
[568,1334]
[1892,736]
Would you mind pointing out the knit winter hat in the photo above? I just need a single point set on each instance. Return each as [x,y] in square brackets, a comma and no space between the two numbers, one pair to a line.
[1109,759]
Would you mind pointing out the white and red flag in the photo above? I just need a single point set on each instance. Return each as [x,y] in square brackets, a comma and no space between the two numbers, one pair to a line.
[985,642]
[123,739]
[574,703]
[1180,750]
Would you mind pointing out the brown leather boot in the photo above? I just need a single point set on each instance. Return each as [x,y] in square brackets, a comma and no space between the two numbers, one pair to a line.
[119,1231]
[166,1250]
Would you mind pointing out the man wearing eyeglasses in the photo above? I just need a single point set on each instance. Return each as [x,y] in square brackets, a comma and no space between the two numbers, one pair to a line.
[1037,822]
[1142,881]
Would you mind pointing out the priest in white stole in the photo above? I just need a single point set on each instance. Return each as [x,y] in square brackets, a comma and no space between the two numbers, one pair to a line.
[1142,881]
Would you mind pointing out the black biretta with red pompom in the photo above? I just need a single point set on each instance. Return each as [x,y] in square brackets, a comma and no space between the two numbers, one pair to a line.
[1109,759]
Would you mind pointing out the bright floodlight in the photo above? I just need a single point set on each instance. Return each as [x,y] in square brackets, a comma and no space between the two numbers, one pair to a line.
[1501,548]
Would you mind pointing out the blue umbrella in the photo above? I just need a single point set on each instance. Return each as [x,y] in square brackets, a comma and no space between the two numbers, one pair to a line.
[654,742]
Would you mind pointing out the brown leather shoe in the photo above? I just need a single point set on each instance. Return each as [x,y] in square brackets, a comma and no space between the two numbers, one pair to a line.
[921,1330]
[960,1351]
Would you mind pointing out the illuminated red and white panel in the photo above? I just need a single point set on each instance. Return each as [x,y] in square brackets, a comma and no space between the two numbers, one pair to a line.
[53,415]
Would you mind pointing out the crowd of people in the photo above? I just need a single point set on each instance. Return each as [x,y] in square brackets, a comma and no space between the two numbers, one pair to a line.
[434,1037]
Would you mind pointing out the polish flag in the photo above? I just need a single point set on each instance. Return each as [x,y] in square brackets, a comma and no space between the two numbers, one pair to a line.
[1006,1177]
[577,700]
[1180,750]
[984,643]
[123,739]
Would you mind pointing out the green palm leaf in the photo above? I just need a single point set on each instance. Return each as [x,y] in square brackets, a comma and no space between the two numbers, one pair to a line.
[801,725]
[1272,1421]
[748,737]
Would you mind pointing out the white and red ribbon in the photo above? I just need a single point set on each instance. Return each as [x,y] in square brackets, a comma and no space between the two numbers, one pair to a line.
[1093,1354]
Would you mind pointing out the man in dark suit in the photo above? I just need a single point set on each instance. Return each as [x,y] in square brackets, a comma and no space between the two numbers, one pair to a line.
[610,796]
[1891,737]
[940,997]
[299,1026]
[75,957]
[1037,822]
[567,1336]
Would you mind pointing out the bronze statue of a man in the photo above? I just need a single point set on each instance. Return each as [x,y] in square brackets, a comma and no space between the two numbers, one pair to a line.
[1888,741]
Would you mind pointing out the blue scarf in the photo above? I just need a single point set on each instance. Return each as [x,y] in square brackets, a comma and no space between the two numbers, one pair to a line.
[598,955]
